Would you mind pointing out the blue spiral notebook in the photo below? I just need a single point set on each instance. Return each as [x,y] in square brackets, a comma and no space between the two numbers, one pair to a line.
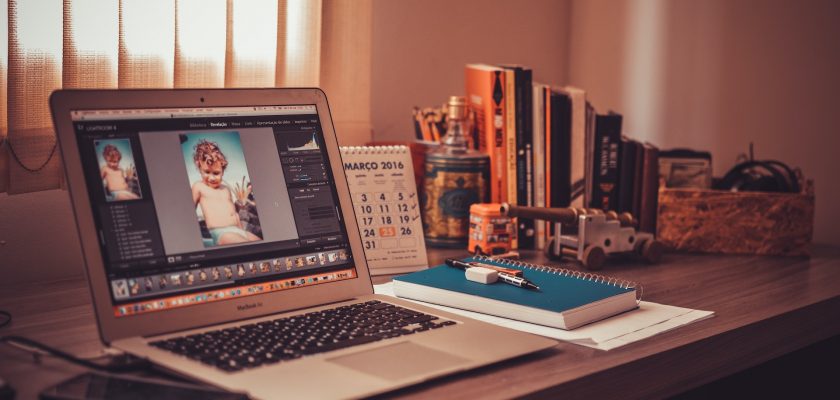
[567,299]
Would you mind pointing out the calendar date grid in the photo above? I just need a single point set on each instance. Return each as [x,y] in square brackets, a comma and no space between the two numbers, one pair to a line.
[387,219]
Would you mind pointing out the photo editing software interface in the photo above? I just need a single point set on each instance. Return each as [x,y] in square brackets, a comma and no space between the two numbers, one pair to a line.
[207,204]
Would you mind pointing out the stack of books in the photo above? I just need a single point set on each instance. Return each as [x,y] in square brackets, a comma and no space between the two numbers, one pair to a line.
[548,147]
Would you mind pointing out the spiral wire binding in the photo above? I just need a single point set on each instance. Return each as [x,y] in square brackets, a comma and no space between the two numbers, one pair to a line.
[607,280]
[374,149]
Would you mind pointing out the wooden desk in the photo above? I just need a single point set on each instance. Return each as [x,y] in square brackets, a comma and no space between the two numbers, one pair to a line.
[764,307]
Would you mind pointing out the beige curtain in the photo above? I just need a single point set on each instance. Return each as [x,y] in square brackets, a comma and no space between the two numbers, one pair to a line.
[52,44]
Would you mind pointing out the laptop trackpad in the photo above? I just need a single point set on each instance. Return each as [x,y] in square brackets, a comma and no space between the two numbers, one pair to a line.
[399,361]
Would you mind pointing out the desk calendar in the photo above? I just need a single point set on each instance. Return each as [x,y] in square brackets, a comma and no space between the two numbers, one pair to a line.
[381,181]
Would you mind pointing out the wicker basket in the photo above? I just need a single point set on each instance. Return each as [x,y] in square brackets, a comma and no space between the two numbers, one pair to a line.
[715,221]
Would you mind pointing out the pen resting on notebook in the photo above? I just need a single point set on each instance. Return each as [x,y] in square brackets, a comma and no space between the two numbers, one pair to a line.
[464,265]
[505,277]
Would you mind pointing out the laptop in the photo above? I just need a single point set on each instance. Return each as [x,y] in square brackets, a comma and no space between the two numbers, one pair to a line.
[221,244]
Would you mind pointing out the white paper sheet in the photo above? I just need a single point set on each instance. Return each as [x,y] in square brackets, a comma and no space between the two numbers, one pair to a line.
[648,320]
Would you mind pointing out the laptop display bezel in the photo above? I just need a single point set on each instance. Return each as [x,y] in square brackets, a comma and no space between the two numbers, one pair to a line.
[166,321]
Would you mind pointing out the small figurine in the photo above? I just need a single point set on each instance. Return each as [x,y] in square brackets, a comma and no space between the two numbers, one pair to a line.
[491,232]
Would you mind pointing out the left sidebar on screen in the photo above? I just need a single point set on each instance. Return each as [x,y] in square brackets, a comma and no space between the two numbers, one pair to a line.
[121,198]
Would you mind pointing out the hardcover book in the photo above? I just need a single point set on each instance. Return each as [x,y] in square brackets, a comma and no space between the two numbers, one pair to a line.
[627,175]
[589,159]
[520,139]
[650,189]
[558,146]
[511,126]
[638,181]
[577,144]
[606,161]
[539,160]
[486,89]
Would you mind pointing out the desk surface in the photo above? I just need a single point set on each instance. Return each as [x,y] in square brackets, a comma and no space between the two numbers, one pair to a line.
[764,307]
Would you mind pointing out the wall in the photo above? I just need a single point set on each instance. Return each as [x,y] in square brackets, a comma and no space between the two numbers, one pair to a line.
[713,75]
[345,68]
[717,75]
[420,48]
[38,238]
[418,53]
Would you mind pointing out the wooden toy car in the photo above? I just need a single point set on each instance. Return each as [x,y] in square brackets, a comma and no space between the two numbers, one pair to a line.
[491,233]
[590,235]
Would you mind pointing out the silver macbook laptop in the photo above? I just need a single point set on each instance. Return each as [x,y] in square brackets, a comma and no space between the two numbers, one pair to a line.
[220,243]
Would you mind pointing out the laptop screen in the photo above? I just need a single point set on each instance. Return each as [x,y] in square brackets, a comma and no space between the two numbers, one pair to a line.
[208,204]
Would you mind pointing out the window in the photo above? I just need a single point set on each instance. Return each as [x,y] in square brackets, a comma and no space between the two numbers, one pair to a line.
[53,44]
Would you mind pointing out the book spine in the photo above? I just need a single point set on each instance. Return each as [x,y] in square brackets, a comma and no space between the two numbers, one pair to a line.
[510,146]
[548,160]
[626,175]
[538,118]
[590,156]
[606,161]
[560,147]
[638,180]
[485,96]
[499,91]
[524,178]
[510,135]
[578,146]
[650,189]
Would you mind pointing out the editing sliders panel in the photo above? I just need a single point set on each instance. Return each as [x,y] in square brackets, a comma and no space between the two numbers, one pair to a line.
[315,209]
[313,201]
[305,168]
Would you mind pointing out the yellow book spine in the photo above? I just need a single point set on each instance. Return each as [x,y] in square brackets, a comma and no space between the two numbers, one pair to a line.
[510,145]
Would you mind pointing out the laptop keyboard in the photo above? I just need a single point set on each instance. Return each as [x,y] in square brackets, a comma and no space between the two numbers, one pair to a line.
[288,338]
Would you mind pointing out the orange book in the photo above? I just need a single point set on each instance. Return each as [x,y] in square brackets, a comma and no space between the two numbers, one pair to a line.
[485,90]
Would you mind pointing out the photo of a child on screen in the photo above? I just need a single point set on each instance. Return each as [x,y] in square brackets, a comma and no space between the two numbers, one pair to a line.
[117,170]
[227,213]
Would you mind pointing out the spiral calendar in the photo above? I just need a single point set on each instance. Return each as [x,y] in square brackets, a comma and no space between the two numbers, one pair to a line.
[382,186]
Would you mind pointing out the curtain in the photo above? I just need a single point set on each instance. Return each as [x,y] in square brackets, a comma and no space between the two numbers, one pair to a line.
[51,44]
